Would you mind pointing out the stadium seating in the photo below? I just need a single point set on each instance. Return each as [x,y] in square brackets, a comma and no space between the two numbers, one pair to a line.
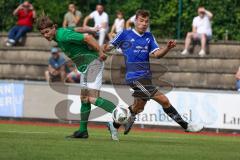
[214,71]
[26,61]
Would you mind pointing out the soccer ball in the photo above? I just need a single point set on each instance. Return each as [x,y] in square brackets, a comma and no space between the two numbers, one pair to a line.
[121,114]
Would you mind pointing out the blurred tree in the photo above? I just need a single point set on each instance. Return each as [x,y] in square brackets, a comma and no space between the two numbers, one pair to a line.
[164,14]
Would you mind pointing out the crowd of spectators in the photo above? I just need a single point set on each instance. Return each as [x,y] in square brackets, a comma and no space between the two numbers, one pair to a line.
[60,69]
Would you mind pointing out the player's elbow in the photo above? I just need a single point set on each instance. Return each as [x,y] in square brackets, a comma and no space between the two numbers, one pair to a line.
[157,55]
[88,37]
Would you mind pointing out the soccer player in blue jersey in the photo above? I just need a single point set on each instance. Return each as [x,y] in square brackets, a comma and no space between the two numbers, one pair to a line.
[137,45]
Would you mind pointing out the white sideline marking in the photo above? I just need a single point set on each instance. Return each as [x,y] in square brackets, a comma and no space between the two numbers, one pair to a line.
[137,136]
[24,132]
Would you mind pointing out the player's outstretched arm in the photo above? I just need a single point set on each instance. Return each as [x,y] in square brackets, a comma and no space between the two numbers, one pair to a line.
[163,51]
[91,41]
[86,30]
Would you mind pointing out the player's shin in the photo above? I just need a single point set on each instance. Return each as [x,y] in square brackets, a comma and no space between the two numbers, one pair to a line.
[105,104]
[85,111]
[172,112]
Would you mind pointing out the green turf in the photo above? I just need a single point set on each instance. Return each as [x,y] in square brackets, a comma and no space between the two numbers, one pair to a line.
[18,142]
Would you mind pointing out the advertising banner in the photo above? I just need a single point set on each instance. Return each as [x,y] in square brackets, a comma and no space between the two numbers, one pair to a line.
[11,99]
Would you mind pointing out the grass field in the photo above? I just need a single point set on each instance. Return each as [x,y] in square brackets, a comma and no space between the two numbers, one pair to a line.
[26,142]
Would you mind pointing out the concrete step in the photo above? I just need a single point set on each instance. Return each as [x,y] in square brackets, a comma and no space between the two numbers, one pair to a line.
[201,80]
[24,56]
[190,64]
[180,79]
[22,71]
[175,63]
[216,70]
[222,48]
[32,39]
[214,73]
[213,65]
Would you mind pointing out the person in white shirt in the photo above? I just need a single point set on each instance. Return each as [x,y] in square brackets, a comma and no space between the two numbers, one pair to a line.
[118,25]
[201,30]
[101,22]
[132,21]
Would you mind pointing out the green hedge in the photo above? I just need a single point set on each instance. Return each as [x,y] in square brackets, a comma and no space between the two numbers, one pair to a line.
[164,14]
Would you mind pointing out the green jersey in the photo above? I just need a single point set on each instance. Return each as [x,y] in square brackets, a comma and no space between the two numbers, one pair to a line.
[73,45]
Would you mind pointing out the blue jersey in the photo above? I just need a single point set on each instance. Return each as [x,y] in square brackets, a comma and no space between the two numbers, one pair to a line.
[136,49]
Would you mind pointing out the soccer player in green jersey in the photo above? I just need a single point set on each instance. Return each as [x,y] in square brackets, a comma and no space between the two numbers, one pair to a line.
[89,63]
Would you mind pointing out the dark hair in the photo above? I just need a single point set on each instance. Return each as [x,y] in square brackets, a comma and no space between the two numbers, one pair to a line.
[119,12]
[100,4]
[142,13]
[72,3]
[200,7]
[44,22]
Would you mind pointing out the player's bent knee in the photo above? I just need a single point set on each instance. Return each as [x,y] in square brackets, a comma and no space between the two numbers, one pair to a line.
[87,37]
[165,103]
[85,99]
[92,100]
[163,100]
[138,105]
[138,109]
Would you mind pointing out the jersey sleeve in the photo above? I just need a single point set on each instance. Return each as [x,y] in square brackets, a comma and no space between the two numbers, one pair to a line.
[153,45]
[133,19]
[65,16]
[117,39]
[79,14]
[115,22]
[194,23]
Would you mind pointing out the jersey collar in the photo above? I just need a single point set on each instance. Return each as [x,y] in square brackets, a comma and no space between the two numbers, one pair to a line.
[140,35]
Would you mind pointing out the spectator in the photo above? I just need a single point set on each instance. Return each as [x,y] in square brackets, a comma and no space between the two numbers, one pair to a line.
[26,15]
[118,25]
[101,22]
[131,21]
[56,68]
[73,75]
[72,17]
[238,79]
[201,30]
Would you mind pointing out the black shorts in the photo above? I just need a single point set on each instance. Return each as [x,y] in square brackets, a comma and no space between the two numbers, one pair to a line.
[143,88]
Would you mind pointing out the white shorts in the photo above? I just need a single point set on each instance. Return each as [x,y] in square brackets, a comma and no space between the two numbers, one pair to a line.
[198,36]
[92,77]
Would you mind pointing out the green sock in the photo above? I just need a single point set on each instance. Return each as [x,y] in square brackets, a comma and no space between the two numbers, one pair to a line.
[105,104]
[85,111]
